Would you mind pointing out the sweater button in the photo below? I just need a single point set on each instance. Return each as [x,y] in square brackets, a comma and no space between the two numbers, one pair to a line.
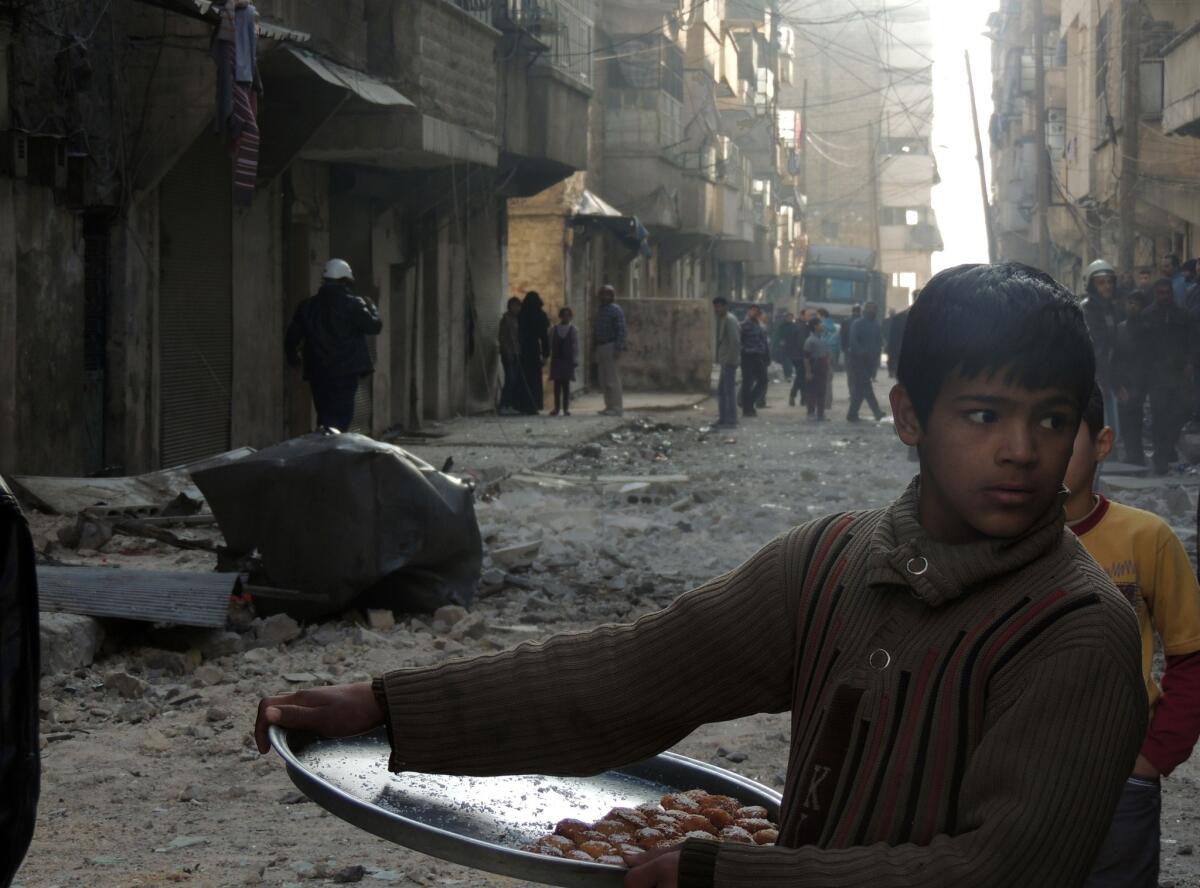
[917,566]
[880,659]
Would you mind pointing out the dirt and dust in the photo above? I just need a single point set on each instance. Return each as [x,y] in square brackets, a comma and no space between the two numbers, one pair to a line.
[150,777]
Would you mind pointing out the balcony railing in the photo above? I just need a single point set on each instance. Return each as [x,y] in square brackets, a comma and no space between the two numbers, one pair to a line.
[566,26]
[643,120]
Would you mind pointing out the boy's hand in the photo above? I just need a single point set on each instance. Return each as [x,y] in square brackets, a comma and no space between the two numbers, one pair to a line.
[338,711]
[1142,768]
[654,869]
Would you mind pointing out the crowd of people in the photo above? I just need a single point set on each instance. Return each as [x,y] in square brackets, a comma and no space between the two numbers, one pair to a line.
[1145,332]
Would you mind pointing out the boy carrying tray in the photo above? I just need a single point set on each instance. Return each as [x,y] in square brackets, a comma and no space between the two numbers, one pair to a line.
[1148,563]
[964,681]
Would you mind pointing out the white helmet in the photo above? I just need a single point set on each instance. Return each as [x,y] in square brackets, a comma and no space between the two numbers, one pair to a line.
[1098,267]
[337,270]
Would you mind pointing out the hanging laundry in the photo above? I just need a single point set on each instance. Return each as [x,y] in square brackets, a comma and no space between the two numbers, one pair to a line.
[235,52]
[245,41]
[244,147]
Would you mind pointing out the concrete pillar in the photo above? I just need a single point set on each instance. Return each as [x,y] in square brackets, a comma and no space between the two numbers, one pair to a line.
[9,454]
[256,412]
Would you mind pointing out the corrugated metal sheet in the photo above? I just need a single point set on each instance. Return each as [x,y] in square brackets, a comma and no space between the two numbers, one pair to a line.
[196,304]
[183,598]
[362,85]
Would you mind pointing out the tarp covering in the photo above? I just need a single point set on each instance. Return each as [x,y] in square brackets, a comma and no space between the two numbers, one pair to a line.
[592,209]
[344,516]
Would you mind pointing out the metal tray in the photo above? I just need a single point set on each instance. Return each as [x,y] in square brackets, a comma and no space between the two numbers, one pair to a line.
[482,822]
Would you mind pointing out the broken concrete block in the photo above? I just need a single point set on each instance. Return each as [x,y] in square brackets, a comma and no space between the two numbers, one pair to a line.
[68,641]
[171,662]
[128,686]
[472,626]
[222,644]
[86,533]
[449,614]
[381,619]
[520,555]
[276,629]
[493,576]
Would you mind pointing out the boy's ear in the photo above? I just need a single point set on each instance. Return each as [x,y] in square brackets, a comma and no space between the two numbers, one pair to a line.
[1104,444]
[908,427]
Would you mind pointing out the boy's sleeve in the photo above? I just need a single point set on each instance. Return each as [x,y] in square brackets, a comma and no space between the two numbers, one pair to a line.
[1036,800]
[1174,602]
[579,704]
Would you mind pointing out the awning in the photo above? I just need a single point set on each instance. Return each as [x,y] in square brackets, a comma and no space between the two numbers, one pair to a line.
[590,209]
[362,85]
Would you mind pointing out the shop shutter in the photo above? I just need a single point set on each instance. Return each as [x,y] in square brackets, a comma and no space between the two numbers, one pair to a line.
[195,305]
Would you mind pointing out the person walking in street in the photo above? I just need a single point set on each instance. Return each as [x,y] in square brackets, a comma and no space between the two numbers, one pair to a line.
[816,360]
[611,341]
[1102,314]
[564,358]
[533,332]
[791,347]
[755,352]
[510,356]
[1170,330]
[844,334]
[1171,269]
[831,333]
[866,346]
[328,336]
[1131,357]
[784,332]
[728,354]
[895,339]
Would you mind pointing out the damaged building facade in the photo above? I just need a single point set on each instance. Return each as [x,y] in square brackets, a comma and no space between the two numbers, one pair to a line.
[1119,102]
[149,264]
[688,191]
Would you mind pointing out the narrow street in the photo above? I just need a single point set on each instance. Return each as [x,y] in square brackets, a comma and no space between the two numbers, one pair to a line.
[149,775]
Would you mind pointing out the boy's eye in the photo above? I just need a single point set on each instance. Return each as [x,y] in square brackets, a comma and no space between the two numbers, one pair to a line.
[1055,422]
[981,416]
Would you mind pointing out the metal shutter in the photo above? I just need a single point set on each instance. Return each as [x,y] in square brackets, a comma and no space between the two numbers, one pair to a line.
[195,304]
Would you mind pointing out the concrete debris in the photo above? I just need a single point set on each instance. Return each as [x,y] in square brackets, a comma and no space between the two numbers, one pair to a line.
[381,619]
[222,644]
[86,533]
[128,686]
[591,451]
[520,555]
[171,662]
[275,630]
[493,576]
[208,675]
[68,641]
[349,874]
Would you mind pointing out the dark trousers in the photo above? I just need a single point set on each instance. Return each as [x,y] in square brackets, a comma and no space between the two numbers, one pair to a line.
[334,400]
[727,395]
[817,381]
[1129,856]
[1132,415]
[562,395]
[788,366]
[799,384]
[512,375]
[754,382]
[1168,410]
[859,369]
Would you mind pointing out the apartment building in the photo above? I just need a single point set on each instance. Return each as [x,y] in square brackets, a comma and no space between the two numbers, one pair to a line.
[1108,66]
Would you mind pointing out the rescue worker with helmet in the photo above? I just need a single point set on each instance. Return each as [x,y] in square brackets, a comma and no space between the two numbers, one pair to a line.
[328,334]
[1103,315]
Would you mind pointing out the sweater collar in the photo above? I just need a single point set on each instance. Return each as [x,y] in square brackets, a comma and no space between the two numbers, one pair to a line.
[901,553]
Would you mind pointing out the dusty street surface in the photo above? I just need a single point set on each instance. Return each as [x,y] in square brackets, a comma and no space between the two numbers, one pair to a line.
[150,779]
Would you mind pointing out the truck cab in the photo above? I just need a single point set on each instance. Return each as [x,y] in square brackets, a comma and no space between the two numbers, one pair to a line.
[839,278]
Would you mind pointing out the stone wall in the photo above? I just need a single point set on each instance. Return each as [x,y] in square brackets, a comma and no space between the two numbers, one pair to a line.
[670,345]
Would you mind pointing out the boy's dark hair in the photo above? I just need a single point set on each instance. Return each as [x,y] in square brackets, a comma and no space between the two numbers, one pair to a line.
[720,300]
[1093,412]
[1162,282]
[1173,259]
[516,299]
[812,324]
[981,319]
[565,310]
[1141,297]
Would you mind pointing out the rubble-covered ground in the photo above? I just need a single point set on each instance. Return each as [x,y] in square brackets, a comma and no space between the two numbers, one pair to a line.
[149,774]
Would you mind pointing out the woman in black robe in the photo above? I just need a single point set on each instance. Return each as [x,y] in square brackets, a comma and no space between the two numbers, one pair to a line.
[533,326]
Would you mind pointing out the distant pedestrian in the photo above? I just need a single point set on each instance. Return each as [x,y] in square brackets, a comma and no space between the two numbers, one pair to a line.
[1132,352]
[1171,269]
[831,333]
[785,331]
[510,356]
[816,358]
[895,339]
[1145,277]
[328,335]
[765,322]
[844,334]
[1103,313]
[866,346]
[728,354]
[1170,330]
[791,346]
[755,353]
[564,358]
[533,330]
[611,341]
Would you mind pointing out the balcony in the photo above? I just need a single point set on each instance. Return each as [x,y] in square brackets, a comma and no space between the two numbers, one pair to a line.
[642,121]
[565,27]
[1181,84]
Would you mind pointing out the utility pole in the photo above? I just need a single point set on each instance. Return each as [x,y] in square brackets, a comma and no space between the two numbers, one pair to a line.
[1042,201]
[983,192]
[873,172]
[1129,143]
[803,137]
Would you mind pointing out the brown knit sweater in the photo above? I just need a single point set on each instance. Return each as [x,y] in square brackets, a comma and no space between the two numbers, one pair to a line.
[961,715]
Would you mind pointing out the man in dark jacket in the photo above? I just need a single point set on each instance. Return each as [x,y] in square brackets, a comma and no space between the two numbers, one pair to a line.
[756,353]
[20,667]
[329,333]
[1102,314]
[844,334]
[1132,350]
[866,346]
[1170,330]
